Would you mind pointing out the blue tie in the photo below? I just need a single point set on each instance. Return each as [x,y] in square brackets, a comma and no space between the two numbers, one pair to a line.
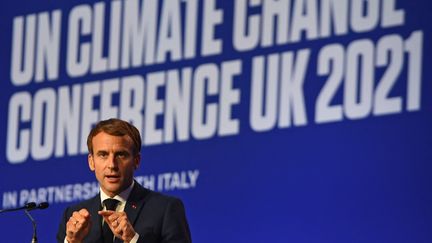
[108,236]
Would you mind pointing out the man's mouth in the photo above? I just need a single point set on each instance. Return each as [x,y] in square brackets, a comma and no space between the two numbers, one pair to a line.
[112,178]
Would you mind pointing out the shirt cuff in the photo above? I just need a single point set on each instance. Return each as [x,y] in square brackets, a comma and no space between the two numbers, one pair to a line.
[135,238]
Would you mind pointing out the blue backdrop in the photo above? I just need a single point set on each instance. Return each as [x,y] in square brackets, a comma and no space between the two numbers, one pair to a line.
[274,121]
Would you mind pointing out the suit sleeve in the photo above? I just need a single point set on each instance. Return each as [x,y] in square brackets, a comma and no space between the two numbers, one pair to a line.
[61,233]
[175,228]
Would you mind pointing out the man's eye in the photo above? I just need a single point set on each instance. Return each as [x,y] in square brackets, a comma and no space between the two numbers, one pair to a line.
[103,155]
[121,155]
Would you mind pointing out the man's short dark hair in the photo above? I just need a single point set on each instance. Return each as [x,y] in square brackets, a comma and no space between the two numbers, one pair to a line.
[116,127]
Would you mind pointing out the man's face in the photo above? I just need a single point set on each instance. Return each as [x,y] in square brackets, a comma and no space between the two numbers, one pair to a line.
[113,162]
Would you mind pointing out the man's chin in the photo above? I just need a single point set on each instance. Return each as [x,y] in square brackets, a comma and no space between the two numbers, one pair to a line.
[112,187]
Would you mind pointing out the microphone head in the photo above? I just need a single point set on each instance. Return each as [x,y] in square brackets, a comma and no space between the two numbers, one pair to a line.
[43,205]
[30,206]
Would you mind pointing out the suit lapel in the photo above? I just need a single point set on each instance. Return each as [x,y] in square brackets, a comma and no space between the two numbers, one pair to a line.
[135,202]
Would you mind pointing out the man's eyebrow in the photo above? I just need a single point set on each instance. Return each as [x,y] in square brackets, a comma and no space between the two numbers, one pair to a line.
[122,151]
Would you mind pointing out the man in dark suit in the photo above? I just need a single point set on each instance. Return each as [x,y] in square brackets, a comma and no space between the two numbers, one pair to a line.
[124,211]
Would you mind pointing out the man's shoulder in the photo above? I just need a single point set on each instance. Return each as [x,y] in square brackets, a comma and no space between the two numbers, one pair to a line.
[157,196]
[156,199]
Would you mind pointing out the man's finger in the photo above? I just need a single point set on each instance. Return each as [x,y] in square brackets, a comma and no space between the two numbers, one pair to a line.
[113,217]
[106,213]
[83,212]
[80,218]
[122,227]
[70,226]
[77,218]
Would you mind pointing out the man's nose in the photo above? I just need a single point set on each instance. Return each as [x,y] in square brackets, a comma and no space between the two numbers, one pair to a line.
[112,162]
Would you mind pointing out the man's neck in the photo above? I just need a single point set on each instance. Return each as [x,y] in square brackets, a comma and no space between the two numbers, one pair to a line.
[122,196]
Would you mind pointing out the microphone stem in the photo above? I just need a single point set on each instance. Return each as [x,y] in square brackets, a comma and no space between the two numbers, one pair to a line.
[10,210]
[34,239]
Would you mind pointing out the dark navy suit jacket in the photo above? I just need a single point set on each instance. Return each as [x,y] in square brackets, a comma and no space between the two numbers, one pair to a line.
[155,217]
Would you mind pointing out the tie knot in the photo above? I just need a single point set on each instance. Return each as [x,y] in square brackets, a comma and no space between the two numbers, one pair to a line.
[110,204]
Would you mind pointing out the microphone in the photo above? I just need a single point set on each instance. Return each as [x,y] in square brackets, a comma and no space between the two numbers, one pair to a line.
[27,206]
[42,205]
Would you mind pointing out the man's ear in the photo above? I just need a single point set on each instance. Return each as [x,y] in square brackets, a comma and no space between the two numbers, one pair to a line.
[91,162]
[137,160]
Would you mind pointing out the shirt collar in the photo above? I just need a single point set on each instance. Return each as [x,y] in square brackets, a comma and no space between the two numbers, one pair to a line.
[122,196]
